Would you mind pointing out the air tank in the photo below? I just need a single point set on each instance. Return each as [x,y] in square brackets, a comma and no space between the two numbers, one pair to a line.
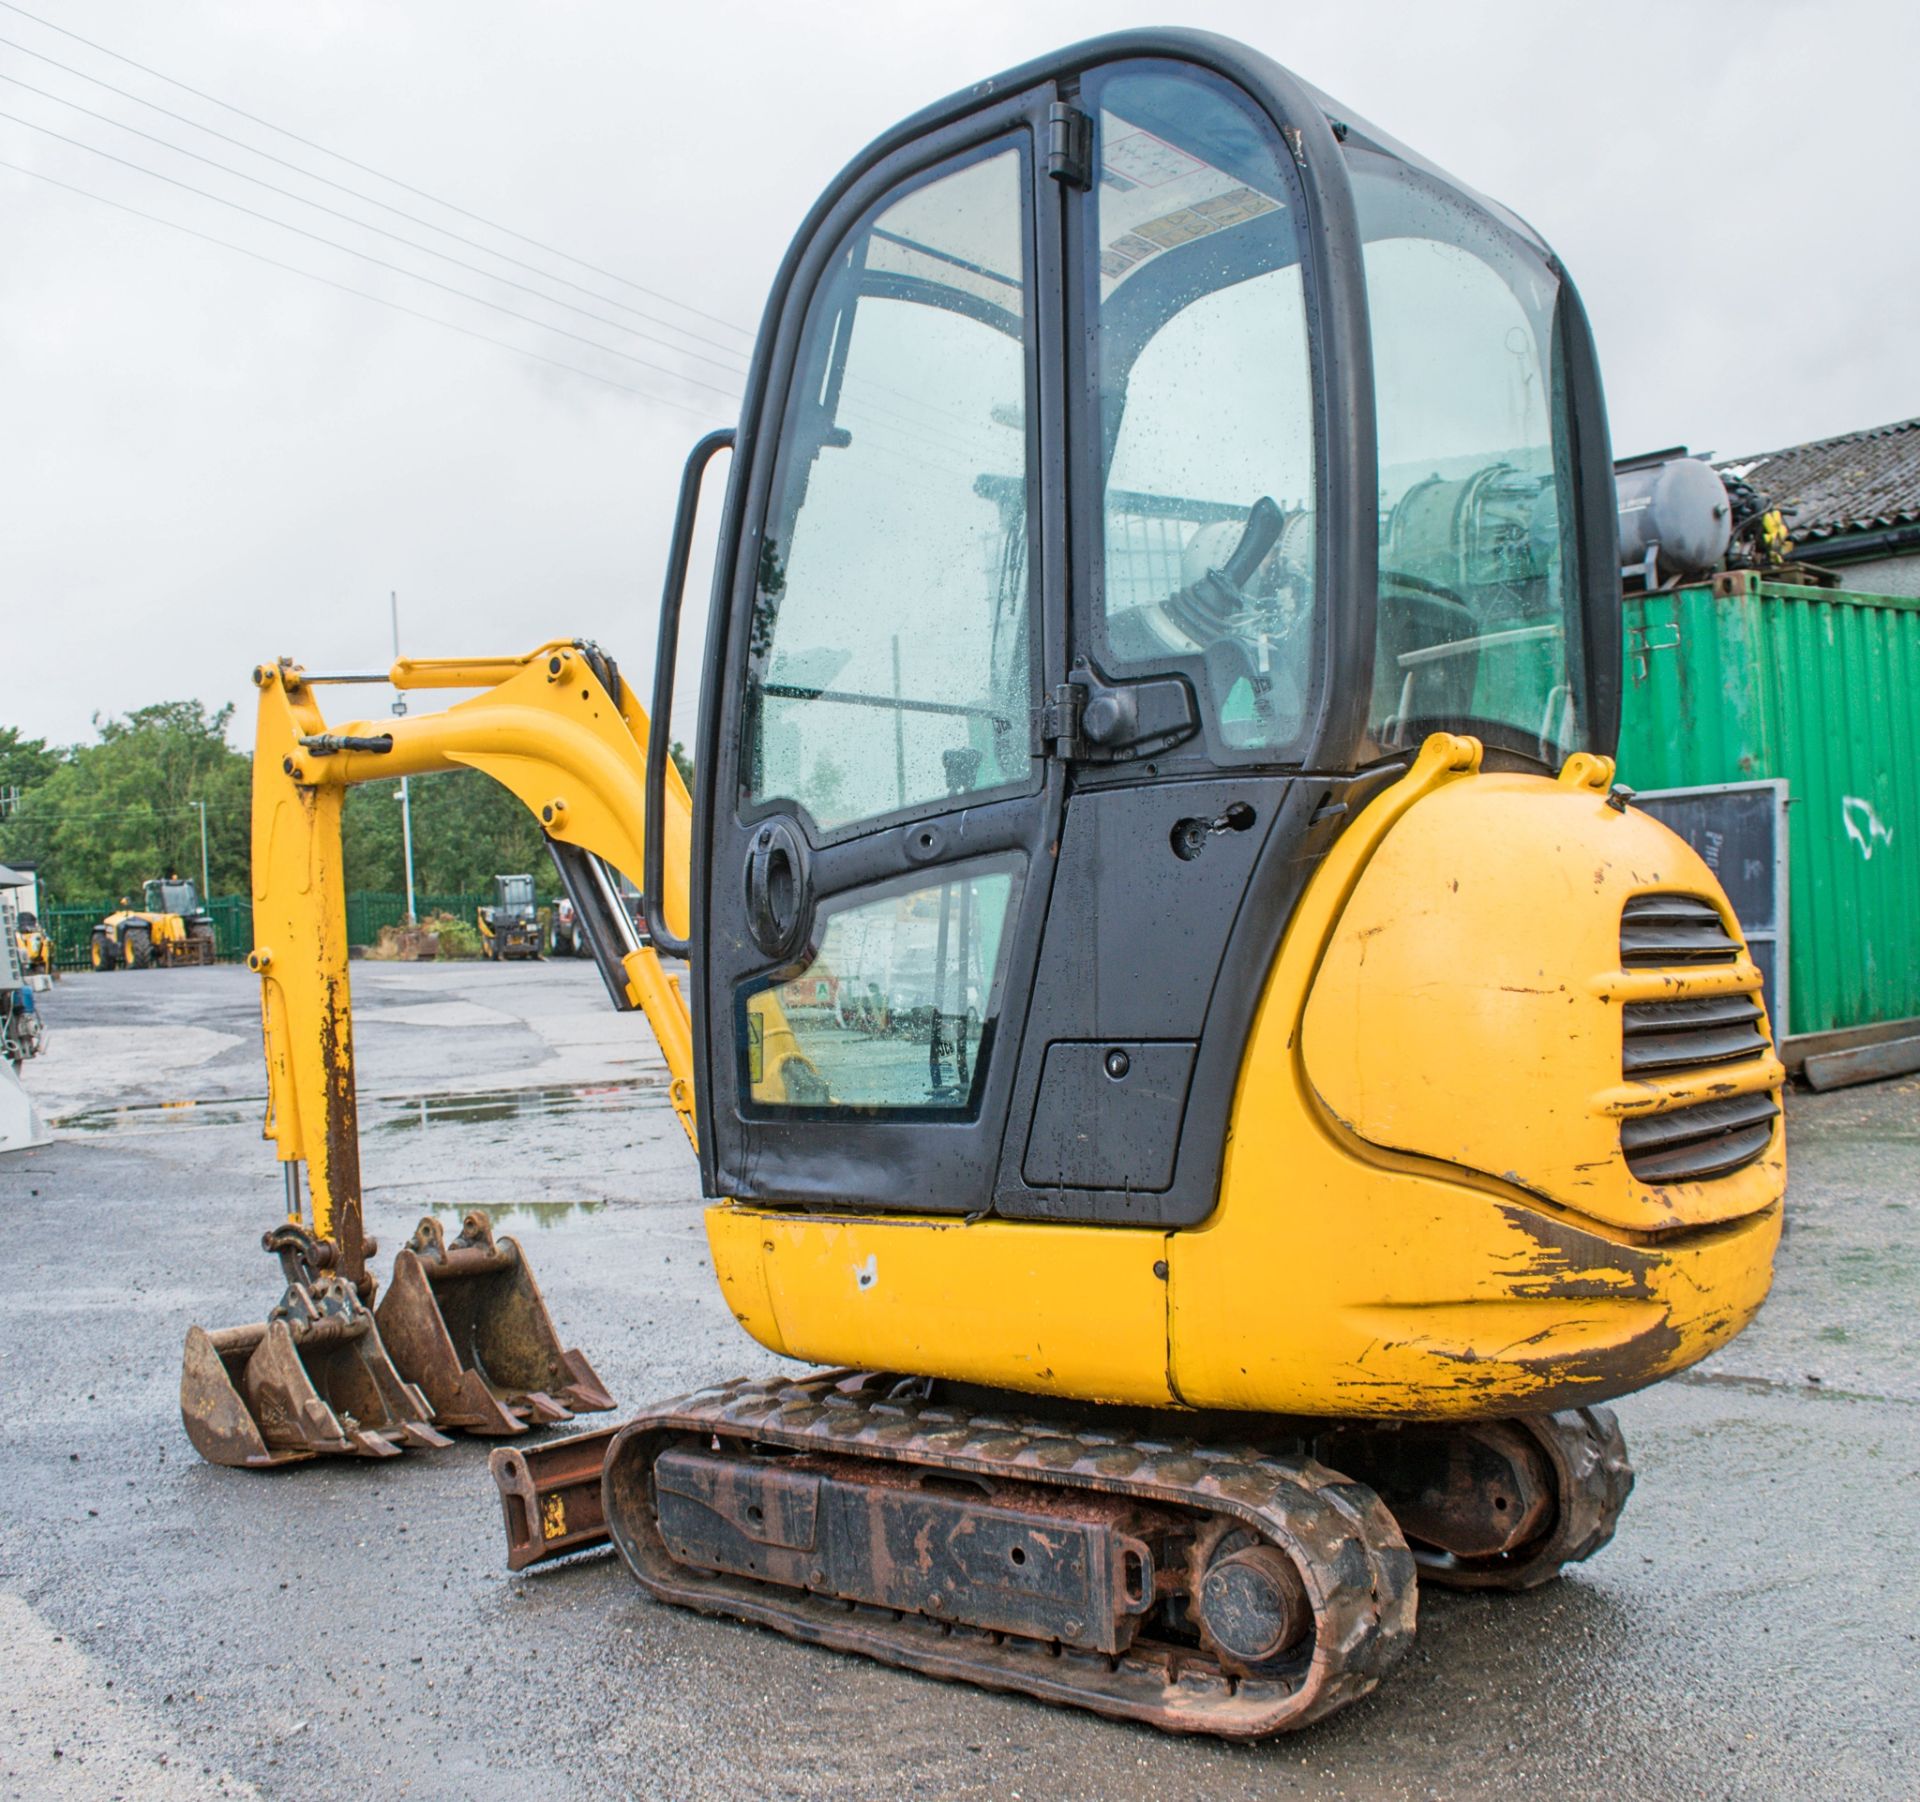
[1677,510]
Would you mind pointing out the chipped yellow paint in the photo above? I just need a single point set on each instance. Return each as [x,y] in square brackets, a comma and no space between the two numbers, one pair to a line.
[1413,1216]
[1467,1008]
[553,1517]
[300,954]
[1662,1094]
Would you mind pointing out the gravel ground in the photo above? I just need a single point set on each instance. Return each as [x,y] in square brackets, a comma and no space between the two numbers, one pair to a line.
[349,1629]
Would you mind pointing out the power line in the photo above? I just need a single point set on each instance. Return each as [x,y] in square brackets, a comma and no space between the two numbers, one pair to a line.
[360,293]
[145,811]
[415,313]
[923,430]
[412,218]
[365,256]
[911,429]
[353,193]
[349,219]
[368,169]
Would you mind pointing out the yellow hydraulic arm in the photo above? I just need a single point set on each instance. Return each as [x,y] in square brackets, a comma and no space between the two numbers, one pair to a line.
[546,727]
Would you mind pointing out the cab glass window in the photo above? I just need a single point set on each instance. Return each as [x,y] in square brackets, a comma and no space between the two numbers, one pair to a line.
[1206,405]
[896,1005]
[1479,611]
[891,654]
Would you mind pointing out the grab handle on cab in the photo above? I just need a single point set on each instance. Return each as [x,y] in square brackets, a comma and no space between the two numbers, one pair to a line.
[659,735]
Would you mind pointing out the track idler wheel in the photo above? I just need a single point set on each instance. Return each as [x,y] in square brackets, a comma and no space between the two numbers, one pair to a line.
[1252,1606]
[1504,1504]
[467,1323]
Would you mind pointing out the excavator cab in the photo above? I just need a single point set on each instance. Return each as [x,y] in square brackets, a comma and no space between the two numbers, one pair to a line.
[171,895]
[1140,462]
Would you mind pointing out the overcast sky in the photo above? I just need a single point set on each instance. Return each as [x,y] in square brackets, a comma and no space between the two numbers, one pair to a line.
[205,460]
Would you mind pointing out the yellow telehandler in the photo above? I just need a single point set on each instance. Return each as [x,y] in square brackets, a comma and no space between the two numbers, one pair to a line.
[167,926]
[1186,1038]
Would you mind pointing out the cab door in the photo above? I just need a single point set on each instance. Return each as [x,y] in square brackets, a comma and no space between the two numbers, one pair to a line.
[879,809]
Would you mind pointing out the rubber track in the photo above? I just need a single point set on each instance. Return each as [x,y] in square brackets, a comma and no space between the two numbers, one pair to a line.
[1360,1576]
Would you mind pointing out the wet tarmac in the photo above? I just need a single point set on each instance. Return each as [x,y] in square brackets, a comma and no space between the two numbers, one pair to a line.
[350,1629]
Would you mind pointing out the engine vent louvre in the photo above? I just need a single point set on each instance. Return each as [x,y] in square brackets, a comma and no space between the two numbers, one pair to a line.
[1675,1035]
[1712,1138]
[1665,1039]
[1673,929]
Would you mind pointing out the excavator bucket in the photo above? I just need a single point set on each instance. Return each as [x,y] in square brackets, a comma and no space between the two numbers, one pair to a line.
[311,1380]
[467,1324]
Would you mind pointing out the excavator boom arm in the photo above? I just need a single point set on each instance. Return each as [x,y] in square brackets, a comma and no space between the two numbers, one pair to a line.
[561,731]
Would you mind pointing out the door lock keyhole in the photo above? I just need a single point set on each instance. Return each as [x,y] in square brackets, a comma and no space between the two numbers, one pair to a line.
[1189,837]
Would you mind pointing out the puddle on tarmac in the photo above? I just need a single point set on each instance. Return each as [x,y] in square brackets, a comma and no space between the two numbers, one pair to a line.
[540,1215]
[414,1113]
[164,1116]
[390,1113]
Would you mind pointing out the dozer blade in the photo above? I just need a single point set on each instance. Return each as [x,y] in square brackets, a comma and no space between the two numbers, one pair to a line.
[466,1322]
[551,1495]
[312,1380]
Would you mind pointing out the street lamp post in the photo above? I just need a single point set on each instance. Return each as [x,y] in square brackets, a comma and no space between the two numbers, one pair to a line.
[206,884]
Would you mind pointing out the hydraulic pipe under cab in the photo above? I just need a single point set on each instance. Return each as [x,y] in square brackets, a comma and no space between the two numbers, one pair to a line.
[1180,1013]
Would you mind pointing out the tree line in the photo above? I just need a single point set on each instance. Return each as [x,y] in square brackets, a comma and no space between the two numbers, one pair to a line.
[98,820]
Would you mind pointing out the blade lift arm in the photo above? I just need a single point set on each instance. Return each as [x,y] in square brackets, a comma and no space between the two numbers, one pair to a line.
[559,729]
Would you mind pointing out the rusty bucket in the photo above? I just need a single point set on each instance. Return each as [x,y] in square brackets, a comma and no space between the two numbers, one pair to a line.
[466,1323]
[311,1380]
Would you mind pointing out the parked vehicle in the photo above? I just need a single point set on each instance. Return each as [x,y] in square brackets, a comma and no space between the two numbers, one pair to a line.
[31,940]
[169,926]
[21,1033]
[568,939]
[510,927]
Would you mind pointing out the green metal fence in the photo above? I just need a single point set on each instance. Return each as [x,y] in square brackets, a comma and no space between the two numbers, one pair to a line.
[369,909]
[1741,680]
[71,923]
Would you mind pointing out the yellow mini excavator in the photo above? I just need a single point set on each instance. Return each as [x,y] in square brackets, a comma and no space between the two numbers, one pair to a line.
[1185,1034]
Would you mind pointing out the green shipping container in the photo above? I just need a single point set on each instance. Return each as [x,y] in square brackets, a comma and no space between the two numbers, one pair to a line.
[1740,680]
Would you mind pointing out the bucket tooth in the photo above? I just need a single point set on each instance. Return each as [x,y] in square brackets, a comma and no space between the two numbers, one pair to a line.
[312,1380]
[466,1322]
